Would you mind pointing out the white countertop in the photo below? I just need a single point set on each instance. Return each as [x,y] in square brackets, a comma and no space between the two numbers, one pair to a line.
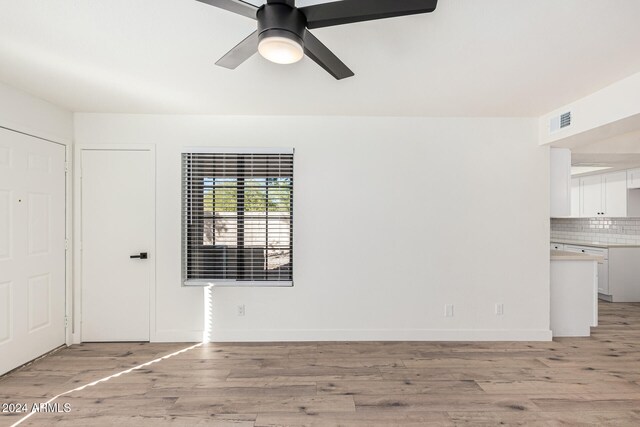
[574,256]
[594,244]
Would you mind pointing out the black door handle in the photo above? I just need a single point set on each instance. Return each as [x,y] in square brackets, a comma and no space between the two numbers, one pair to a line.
[143,255]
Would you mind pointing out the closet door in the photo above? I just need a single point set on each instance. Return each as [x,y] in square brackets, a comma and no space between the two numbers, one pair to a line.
[32,248]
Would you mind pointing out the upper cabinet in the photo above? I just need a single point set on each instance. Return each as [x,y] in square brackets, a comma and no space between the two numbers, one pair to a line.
[633,178]
[633,193]
[591,195]
[615,194]
[603,195]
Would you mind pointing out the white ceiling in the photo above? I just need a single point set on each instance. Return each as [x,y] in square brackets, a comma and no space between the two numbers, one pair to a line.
[468,58]
[612,161]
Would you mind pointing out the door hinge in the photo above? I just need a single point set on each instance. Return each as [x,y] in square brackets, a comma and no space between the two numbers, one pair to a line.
[66,166]
[66,321]
[66,244]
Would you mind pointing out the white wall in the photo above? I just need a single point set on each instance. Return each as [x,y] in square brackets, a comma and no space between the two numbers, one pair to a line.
[394,218]
[25,113]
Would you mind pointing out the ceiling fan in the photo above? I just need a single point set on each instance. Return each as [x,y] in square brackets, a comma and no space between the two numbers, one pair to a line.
[283,36]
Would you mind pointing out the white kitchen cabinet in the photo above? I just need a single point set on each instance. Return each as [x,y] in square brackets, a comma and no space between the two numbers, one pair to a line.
[591,196]
[623,273]
[574,299]
[603,195]
[615,194]
[619,272]
[575,198]
[633,178]
[603,266]
[603,278]
[633,202]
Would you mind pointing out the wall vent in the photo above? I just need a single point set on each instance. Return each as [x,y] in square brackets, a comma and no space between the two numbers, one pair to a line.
[560,122]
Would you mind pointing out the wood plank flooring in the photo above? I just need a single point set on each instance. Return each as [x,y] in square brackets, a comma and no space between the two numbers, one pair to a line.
[570,381]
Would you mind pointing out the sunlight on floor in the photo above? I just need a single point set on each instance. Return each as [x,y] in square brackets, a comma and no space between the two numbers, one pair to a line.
[101,380]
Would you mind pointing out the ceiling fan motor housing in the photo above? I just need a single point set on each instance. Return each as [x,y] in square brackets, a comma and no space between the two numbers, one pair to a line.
[283,35]
[281,20]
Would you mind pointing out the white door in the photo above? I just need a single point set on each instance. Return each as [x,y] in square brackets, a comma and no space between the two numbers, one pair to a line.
[118,222]
[32,248]
[615,194]
[591,187]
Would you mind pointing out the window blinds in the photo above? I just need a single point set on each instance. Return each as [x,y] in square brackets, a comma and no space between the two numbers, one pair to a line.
[237,218]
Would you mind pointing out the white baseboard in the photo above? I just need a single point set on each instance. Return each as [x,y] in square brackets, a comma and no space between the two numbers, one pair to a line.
[284,335]
[176,335]
[160,336]
[239,335]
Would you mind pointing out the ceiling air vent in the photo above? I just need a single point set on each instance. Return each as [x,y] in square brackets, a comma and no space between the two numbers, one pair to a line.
[560,122]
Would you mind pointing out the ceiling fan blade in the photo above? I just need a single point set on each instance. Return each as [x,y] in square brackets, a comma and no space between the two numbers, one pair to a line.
[236,6]
[322,56]
[243,51]
[348,11]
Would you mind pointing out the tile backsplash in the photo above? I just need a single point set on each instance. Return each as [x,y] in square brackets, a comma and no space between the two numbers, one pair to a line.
[602,230]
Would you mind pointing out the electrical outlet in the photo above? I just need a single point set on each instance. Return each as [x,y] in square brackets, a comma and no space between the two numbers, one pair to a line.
[241,310]
[448,310]
[499,309]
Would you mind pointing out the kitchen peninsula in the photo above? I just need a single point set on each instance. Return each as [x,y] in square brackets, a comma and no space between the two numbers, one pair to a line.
[574,293]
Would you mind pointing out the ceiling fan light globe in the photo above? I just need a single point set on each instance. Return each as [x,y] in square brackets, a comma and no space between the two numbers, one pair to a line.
[280,50]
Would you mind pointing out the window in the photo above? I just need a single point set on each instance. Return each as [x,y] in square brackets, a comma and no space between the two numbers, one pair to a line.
[237,211]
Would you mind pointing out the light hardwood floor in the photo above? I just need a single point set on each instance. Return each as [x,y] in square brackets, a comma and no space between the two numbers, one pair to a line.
[571,381]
